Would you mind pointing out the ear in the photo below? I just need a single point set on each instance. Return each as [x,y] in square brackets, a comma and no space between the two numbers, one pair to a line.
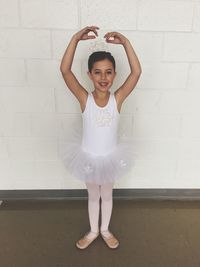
[89,75]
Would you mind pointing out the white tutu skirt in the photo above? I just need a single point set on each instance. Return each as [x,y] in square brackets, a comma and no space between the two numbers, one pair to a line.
[98,169]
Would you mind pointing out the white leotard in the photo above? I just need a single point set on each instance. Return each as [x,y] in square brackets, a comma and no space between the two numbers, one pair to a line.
[100,126]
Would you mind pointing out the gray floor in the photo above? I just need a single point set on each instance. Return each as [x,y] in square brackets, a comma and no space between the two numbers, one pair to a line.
[151,233]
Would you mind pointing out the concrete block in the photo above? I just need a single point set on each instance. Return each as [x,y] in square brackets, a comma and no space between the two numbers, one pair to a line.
[68,124]
[156,15]
[32,148]
[28,99]
[15,124]
[26,44]
[12,72]
[147,45]
[21,148]
[44,125]
[44,73]
[142,101]
[113,15]
[60,41]
[5,174]
[188,149]
[188,173]
[45,148]
[196,23]
[28,174]
[163,75]
[4,153]
[180,102]
[22,170]
[49,14]
[125,125]
[149,172]
[159,149]
[155,127]
[49,172]
[182,47]
[9,13]
[66,102]
[194,77]
[190,126]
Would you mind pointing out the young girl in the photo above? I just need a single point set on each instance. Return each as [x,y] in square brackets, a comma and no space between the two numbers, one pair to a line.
[99,160]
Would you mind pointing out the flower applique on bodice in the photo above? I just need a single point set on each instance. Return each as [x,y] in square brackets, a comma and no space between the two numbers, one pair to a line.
[103,118]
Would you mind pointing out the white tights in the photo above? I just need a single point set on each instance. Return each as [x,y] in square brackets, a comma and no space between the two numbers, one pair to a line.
[95,192]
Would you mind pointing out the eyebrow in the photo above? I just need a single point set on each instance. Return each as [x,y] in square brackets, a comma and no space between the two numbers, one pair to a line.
[100,69]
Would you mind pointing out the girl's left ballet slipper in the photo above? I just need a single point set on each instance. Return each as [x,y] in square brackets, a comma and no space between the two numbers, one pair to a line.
[110,240]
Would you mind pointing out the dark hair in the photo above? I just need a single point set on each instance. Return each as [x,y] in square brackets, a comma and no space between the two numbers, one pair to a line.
[100,55]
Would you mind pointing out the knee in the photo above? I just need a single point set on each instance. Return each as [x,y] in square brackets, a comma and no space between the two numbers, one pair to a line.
[93,195]
[106,195]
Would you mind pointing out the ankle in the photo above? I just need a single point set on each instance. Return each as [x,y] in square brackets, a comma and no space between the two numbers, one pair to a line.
[91,235]
[94,232]
[106,233]
[104,230]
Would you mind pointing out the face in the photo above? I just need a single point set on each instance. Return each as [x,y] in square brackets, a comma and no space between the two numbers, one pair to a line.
[102,75]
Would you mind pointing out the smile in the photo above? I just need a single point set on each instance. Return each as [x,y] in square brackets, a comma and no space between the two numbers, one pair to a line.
[103,84]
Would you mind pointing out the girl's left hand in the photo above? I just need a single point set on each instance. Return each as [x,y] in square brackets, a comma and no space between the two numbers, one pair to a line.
[117,38]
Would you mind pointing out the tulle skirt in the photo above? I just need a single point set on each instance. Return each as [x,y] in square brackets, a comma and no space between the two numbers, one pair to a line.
[98,169]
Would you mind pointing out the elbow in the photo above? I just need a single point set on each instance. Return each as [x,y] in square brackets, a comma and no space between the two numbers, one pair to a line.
[62,69]
[139,72]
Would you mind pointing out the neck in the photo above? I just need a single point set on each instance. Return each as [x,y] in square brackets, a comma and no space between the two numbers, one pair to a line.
[100,94]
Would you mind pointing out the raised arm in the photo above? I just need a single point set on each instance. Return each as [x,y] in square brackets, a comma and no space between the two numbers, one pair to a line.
[135,69]
[70,79]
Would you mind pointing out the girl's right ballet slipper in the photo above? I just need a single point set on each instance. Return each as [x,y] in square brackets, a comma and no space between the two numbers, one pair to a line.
[111,241]
[84,242]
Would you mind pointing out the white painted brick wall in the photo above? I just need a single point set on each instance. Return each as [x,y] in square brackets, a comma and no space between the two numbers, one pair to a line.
[9,13]
[196,24]
[12,72]
[49,14]
[159,15]
[182,47]
[110,14]
[36,108]
[194,77]
[26,44]
[164,76]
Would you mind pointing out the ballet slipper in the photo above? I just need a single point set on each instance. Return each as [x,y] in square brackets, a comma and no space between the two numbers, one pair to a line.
[111,241]
[84,242]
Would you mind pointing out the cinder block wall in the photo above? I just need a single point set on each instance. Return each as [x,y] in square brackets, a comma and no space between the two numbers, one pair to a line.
[36,108]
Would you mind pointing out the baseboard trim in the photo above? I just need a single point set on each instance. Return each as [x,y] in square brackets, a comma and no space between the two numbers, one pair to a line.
[57,194]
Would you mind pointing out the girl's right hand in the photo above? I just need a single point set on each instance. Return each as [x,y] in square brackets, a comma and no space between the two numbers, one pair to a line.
[83,34]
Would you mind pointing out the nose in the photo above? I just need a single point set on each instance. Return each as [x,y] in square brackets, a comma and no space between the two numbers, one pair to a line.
[103,75]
